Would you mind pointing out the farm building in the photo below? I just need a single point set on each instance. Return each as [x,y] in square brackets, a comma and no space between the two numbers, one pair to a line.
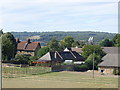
[27,47]
[110,60]
[79,50]
[62,56]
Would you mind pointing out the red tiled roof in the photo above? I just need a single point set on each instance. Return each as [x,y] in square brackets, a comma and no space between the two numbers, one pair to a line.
[23,45]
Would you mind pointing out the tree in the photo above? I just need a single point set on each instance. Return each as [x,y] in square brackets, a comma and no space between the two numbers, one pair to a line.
[75,43]
[22,59]
[106,43]
[89,61]
[90,52]
[1,32]
[53,45]
[32,59]
[116,40]
[42,51]
[82,43]
[90,49]
[9,47]
[62,44]
[67,42]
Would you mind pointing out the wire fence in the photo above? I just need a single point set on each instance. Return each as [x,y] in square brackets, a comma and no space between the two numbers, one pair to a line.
[13,72]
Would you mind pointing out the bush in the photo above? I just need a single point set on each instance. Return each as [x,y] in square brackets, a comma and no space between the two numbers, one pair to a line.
[82,67]
[42,51]
[116,71]
[21,59]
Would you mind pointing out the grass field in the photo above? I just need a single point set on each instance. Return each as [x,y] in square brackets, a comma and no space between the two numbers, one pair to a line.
[13,72]
[62,80]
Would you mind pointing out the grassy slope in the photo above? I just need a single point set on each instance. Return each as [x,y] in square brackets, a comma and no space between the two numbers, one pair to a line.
[62,80]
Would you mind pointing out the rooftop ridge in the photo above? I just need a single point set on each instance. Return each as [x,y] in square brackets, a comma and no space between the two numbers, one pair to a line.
[73,54]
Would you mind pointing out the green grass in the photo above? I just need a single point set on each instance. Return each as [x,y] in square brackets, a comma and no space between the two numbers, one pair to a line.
[8,72]
[62,80]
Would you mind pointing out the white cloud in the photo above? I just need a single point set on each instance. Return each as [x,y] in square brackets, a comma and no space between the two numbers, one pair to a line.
[55,14]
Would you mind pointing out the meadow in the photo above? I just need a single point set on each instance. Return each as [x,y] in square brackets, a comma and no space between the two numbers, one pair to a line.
[13,72]
[64,79]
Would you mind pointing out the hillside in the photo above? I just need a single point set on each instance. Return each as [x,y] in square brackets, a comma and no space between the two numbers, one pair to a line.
[45,37]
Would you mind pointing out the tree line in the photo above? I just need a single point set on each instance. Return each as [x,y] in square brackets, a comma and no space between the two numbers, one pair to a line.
[45,37]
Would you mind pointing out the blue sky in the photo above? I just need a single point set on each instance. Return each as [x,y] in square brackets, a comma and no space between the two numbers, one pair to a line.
[58,15]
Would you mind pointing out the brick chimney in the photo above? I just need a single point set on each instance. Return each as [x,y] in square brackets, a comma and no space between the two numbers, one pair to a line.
[17,40]
[28,40]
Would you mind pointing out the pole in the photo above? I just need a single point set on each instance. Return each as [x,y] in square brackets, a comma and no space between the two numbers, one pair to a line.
[1,62]
[93,63]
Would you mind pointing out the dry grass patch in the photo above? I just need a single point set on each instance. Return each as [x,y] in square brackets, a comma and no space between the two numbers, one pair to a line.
[62,80]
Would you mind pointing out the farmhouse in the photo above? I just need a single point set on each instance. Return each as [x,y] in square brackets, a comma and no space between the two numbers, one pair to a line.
[79,50]
[66,56]
[110,60]
[27,47]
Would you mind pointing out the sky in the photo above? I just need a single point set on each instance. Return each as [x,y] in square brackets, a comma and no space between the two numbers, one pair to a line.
[59,15]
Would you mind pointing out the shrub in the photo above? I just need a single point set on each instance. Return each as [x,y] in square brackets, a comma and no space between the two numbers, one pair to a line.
[116,71]
[21,59]
[82,67]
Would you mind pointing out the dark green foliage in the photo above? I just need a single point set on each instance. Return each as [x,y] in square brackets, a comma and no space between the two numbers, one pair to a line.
[22,59]
[106,43]
[82,67]
[62,45]
[90,49]
[42,51]
[32,59]
[67,42]
[53,45]
[75,43]
[1,32]
[116,40]
[89,61]
[90,52]
[82,43]
[9,47]
[116,71]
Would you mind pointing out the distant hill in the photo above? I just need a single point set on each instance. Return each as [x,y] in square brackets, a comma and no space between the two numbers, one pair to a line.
[45,37]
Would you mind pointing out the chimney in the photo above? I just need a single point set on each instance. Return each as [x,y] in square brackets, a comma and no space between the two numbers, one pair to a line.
[17,40]
[28,40]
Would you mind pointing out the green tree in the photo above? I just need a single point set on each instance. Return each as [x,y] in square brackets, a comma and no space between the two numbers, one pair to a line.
[22,59]
[9,47]
[32,59]
[42,51]
[67,42]
[1,32]
[116,40]
[106,43]
[75,43]
[62,44]
[82,43]
[90,49]
[53,45]
[89,61]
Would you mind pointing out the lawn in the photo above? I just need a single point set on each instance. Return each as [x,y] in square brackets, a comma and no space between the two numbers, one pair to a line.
[62,80]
